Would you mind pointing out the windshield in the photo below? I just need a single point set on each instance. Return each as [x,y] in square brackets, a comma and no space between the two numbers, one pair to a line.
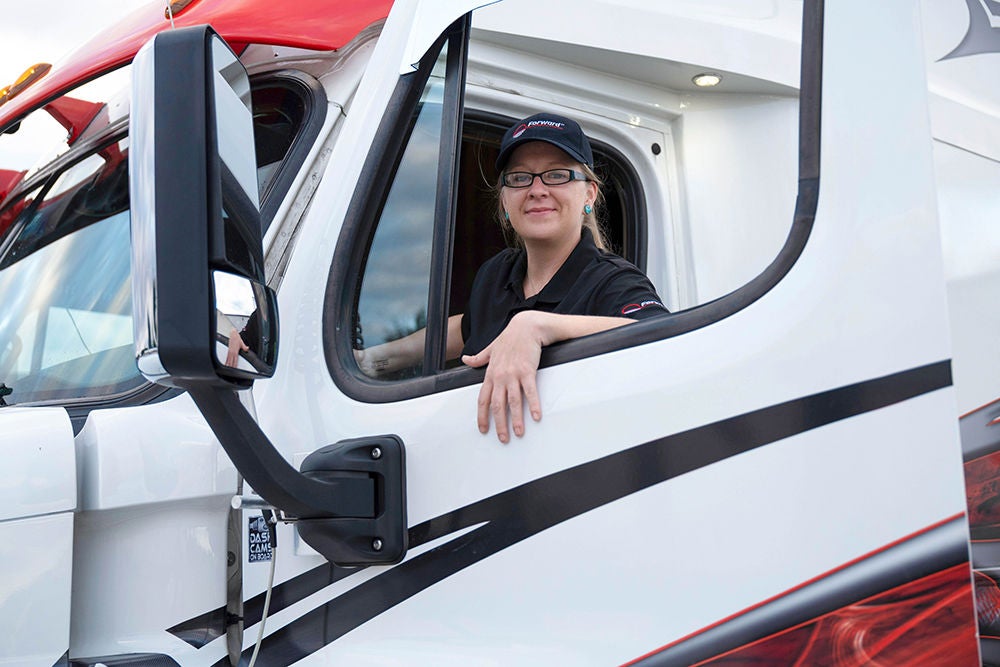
[65,325]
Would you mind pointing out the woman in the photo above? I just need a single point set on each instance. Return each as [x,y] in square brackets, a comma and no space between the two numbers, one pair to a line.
[557,285]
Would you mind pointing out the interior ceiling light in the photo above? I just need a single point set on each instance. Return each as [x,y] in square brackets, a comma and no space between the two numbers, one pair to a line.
[706,79]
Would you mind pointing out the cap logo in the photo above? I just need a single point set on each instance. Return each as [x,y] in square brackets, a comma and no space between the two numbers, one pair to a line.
[547,123]
[524,127]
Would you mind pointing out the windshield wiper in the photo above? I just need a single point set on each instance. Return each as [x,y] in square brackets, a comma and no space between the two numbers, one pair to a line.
[4,391]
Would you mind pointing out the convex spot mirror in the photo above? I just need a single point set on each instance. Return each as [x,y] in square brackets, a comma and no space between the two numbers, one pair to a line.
[197,259]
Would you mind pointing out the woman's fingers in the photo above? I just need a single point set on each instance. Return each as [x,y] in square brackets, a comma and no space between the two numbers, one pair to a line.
[503,397]
[498,408]
[516,409]
[511,362]
[531,395]
[483,407]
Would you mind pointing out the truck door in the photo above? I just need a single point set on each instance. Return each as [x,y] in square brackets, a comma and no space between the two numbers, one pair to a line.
[736,478]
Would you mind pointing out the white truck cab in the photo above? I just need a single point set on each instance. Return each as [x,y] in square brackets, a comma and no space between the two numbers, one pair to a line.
[772,473]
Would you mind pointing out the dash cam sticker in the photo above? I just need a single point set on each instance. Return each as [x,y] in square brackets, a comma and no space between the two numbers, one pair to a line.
[258,540]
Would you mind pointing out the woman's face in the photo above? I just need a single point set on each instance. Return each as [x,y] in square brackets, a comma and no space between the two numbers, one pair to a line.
[546,213]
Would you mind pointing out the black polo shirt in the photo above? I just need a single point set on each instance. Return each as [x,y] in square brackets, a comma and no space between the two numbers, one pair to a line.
[590,282]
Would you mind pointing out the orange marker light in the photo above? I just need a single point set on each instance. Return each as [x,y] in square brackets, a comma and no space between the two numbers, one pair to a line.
[30,75]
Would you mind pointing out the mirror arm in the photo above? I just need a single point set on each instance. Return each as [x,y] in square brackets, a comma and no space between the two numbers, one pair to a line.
[259,462]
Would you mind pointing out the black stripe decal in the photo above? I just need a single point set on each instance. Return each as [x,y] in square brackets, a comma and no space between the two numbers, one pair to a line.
[526,510]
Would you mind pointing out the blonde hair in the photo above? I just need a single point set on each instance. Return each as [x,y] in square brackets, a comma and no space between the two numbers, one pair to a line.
[590,220]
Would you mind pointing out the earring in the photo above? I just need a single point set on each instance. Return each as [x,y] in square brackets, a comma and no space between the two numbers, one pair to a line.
[587,209]
[506,215]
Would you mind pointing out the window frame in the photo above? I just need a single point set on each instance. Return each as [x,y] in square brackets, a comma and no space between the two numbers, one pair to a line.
[380,168]
[314,98]
[364,211]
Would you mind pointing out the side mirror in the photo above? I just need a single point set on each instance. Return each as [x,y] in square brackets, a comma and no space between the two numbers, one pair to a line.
[197,260]
[204,319]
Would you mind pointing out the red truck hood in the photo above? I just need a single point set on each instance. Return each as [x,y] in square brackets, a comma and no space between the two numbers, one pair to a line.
[323,25]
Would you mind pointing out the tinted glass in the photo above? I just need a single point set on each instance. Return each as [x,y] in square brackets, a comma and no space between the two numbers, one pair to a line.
[392,302]
[66,322]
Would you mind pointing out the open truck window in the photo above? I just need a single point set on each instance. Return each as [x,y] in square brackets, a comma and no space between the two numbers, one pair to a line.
[701,187]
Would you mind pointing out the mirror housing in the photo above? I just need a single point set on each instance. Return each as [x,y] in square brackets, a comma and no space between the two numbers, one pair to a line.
[204,319]
[197,259]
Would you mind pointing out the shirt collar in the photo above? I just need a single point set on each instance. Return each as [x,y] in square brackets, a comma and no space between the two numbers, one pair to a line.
[564,279]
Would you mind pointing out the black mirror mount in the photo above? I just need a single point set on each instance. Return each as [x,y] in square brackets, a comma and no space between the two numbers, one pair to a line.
[349,501]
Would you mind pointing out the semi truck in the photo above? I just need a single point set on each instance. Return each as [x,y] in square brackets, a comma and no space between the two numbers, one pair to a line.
[797,465]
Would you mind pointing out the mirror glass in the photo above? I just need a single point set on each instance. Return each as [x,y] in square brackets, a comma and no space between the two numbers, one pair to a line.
[245,336]
[202,310]
[232,107]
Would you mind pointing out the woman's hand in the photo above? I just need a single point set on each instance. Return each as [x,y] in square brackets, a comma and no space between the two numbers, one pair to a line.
[236,345]
[513,358]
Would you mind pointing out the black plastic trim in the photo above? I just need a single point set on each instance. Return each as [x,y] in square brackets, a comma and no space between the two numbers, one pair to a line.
[376,530]
[183,145]
[338,310]
[145,394]
[444,201]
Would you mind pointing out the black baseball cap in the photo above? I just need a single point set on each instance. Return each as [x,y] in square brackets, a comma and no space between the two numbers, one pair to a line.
[556,130]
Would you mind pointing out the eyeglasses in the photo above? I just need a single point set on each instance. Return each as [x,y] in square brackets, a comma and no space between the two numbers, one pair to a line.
[524,179]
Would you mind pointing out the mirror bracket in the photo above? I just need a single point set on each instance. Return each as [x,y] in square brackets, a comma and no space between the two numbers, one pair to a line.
[349,500]
[379,537]
[204,318]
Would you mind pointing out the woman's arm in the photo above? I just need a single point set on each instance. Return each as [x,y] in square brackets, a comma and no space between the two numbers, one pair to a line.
[513,359]
[407,351]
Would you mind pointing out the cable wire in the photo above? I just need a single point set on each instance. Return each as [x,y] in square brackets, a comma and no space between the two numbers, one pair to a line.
[273,529]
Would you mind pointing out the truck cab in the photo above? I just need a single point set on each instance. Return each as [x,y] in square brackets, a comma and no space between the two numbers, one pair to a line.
[773,471]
